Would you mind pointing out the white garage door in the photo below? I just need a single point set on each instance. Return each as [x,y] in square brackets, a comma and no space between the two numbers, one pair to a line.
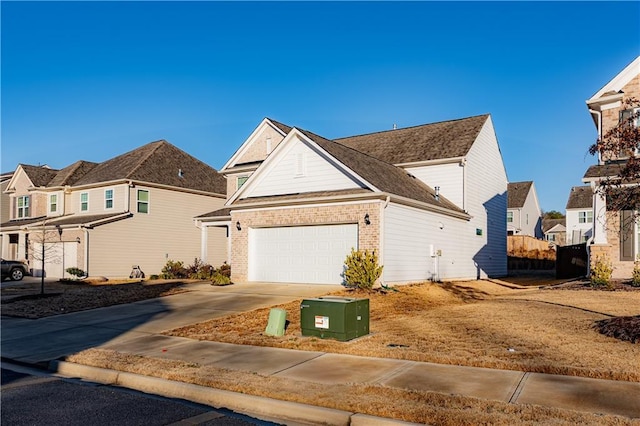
[57,258]
[301,254]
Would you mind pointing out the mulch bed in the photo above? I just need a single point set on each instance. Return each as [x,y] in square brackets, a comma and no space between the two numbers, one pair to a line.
[622,328]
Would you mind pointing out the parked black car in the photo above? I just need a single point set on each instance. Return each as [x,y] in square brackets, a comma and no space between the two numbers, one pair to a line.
[13,269]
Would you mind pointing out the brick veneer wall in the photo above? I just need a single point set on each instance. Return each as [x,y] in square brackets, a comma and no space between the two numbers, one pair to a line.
[621,269]
[368,235]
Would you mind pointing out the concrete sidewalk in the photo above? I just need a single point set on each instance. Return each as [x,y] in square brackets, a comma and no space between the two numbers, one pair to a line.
[136,328]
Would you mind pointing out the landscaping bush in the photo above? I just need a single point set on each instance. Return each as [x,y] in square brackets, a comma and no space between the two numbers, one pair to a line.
[220,279]
[635,278]
[174,270]
[200,270]
[76,272]
[362,270]
[601,272]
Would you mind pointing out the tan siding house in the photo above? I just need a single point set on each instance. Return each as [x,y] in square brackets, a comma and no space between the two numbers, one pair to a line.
[134,209]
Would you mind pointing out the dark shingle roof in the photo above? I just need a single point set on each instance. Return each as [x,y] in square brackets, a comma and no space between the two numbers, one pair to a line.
[39,175]
[384,176]
[158,162]
[517,194]
[286,129]
[446,139]
[580,197]
[88,219]
[70,174]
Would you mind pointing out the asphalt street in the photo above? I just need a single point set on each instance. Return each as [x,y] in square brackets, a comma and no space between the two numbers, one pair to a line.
[34,398]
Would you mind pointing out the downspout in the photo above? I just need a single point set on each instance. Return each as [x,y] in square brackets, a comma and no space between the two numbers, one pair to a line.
[598,127]
[129,186]
[86,250]
[463,164]
[381,231]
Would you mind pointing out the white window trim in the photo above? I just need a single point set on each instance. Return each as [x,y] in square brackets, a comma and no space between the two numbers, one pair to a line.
[509,215]
[81,202]
[588,216]
[238,184]
[26,205]
[113,196]
[147,202]
[50,204]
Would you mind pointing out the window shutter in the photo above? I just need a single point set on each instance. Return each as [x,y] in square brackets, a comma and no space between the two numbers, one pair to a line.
[626,235]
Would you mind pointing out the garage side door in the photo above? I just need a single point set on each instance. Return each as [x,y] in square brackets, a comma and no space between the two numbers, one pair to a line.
[301,254]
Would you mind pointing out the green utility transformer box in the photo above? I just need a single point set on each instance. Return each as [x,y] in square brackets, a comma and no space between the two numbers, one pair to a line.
[339,318]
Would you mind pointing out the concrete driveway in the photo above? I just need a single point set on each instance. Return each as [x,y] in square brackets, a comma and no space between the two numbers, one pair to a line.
[41,340]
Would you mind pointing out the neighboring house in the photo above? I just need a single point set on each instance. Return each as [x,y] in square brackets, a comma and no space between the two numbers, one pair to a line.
[615,233]
[579,215]
[429,200]
[555,231]
[134,209]
[5,212]
[523,210]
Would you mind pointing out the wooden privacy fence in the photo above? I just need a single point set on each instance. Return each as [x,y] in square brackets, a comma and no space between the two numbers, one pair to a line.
[525,246]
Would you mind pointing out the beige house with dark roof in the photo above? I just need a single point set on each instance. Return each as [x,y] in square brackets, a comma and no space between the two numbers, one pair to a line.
[134,209]
[523,210]
[615,233]
[430,200]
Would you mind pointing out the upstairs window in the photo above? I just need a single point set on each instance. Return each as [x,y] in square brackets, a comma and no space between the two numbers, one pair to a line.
[509,217]
[585,217]
[630,116]
[22,207]
[84,201]
[242,180]
[108,199]
[53,203]
[143,201]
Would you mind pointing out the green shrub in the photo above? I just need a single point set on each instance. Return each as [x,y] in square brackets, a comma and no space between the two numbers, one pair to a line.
[219,279]
[601,272]
[173,270]
[635,278]
[362,270]
[76,272]
[225,269]
[200,270]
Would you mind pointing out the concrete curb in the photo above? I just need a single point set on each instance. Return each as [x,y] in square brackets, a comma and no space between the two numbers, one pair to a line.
[260,407]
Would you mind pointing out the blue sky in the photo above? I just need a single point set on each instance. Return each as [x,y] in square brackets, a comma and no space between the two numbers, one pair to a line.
[92,80]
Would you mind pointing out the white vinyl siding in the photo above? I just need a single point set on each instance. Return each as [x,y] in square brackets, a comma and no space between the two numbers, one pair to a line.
[301,254]
[486,194]
[409,236]
[449,177]
[301,169]
[59,256]
[579,228]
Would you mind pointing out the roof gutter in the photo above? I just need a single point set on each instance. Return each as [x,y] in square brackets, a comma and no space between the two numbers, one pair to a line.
[356,197]
[433,162]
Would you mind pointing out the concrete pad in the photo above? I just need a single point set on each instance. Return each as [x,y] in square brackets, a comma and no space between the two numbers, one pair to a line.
[195,351]
[582,394]
[452,379]
[340,369]
[263,360]
[32,328]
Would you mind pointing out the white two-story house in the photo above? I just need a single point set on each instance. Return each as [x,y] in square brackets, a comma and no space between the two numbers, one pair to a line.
[430,200]
[579,215]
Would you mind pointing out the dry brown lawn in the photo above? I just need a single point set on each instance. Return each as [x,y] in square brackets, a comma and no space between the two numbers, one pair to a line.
[376,400]
[477,323]
[24,300]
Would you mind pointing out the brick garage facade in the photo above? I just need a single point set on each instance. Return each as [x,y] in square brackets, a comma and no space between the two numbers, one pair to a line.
[368,235]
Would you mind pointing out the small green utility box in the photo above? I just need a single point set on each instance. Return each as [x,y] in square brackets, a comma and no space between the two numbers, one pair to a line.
[339,318]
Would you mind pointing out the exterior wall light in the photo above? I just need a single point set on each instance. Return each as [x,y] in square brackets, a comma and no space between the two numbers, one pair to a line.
[367,221]
[238,227]
[78,240]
